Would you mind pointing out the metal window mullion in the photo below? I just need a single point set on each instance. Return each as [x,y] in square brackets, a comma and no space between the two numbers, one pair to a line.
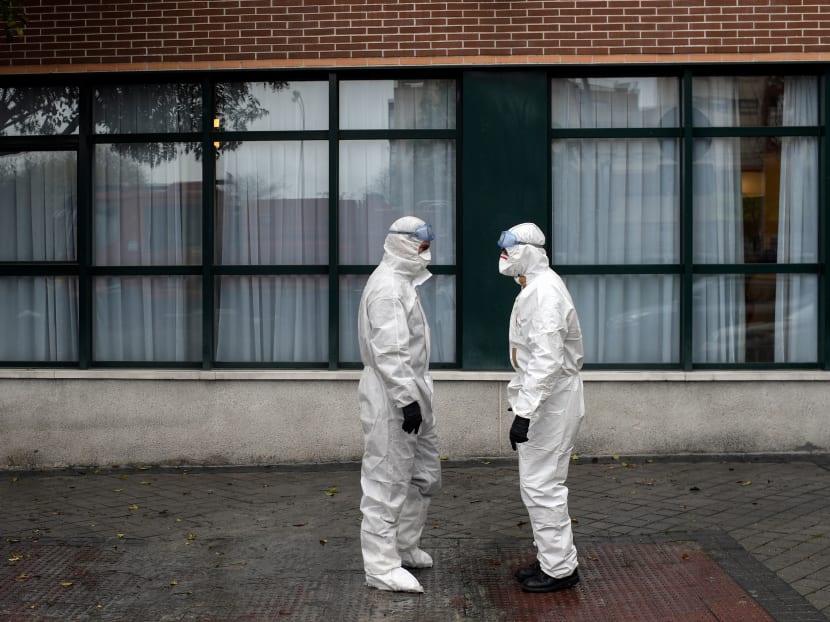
[208,204]
[686,225]
[334,168]
[824,227]
[85,197]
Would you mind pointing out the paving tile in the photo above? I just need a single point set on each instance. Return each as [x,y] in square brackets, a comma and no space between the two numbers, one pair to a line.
[231,539]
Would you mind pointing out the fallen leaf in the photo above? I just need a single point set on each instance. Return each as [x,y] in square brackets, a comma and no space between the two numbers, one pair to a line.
[323,541]
[694,489]
[174,582]
[134,506]
[575,521]
[437,526]
[145,483]
[123,476]
[331,492]
[66,583]
[15,478]
[744,483]
[521,522]
[593,558]
[120,535]
[575,457]
[191,536]
[23,577]
[445,457]
[615,457]
[486,462]
[686,556]
[16,557]
[119,490]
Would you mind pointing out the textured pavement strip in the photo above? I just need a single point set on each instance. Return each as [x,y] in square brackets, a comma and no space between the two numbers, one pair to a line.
[270,543]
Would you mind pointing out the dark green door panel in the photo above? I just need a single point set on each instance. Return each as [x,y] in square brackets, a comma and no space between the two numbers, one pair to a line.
[504,177]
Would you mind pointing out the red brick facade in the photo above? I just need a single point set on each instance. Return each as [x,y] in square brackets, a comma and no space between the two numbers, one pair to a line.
[97,34]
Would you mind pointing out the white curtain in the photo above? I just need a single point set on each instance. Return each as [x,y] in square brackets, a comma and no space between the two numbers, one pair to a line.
[147,212]
[718,308]
[272,209]
[796,296]
[38,200]
[616,202]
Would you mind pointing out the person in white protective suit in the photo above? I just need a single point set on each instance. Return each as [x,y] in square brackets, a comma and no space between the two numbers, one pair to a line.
[546,398]
[401,466]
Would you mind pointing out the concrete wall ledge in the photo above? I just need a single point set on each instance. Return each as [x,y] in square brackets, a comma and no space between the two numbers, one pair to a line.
[781,375]
[51,418]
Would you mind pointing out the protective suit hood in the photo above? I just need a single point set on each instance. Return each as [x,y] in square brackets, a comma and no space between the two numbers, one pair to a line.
[528,256]
[401,250]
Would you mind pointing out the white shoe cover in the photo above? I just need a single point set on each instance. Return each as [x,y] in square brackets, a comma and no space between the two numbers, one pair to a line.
[396,580]
[416,558]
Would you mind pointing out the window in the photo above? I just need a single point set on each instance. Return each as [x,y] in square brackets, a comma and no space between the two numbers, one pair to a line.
[616,213]
[741,259]
[38,225]
[397,157]
[755,213]
[147,224]
[271,244]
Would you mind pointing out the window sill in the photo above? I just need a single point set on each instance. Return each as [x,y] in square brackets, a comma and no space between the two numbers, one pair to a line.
[438,375]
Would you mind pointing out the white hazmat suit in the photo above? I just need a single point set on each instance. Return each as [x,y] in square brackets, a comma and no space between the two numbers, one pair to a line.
[546,353]
[401,471]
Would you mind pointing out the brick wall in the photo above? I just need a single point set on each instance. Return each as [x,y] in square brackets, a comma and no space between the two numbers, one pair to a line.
[282,32]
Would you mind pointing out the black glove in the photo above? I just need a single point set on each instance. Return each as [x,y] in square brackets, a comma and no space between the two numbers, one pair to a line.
[412,418]
[518,431]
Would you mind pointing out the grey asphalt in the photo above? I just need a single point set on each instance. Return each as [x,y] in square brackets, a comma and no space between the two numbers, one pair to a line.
[746,538]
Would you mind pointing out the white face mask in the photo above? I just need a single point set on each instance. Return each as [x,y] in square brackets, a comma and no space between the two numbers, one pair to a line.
[425,257]
[508,267]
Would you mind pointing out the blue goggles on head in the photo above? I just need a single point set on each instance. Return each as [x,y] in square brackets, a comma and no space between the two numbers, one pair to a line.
[508,239]
[423,233]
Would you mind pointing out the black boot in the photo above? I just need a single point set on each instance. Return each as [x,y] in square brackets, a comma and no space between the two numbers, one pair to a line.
[528,571]
[541,582]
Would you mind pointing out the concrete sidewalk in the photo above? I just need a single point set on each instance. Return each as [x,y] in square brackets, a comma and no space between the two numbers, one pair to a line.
[658,540]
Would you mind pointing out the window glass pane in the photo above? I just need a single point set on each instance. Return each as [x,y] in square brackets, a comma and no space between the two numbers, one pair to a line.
[754,101]
[38,206]
[272,319]
[755,318]
[39,316]
[616,201]
[397,104]
[148,318]
[272,106]
[614,102]
[437,298]
[148,205]
[382,180]
[272,203]
[133,108]
[756,200]
[43,110]
[628,319]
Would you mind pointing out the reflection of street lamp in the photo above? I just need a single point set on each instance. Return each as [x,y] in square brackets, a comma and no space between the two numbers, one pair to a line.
[297,98]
